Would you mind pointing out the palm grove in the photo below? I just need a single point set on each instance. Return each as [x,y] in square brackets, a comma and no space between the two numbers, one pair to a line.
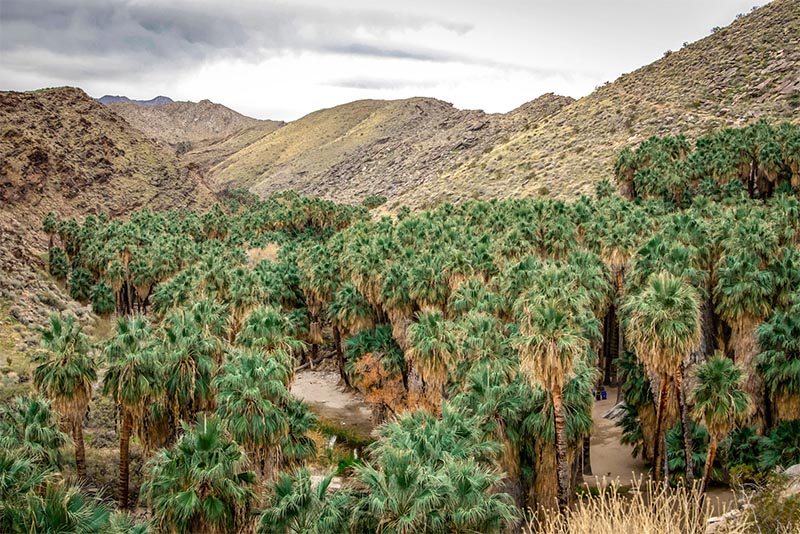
[477,332]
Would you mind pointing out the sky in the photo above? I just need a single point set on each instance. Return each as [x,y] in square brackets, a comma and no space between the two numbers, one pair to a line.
[282,60]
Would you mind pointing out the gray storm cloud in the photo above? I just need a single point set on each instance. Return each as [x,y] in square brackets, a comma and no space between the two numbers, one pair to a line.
[148,35]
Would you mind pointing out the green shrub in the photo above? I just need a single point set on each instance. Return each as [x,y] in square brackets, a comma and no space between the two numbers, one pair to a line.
[373,201]
[57,262]
[80,284]
[103,298]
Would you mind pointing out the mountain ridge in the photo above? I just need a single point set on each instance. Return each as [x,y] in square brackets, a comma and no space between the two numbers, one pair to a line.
[153,102]
[736,75]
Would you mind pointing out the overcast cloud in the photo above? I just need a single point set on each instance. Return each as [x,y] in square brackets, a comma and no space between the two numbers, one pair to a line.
[282,60]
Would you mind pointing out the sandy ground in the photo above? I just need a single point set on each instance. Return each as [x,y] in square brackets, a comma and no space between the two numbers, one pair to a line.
[610,458]
[322,392]
[613,460]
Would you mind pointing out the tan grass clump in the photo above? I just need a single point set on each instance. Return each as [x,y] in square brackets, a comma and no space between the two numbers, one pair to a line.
[646,508]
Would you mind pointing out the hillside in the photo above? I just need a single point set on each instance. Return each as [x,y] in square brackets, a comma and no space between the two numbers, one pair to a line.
[373,147]
[420,151]
[63,151]
[747,70]
[203,133]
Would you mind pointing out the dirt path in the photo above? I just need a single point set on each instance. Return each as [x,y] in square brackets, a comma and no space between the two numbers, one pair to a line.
[321,390]
[612,460]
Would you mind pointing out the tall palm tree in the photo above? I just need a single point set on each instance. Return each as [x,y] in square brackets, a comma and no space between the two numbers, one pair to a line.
[744,294]
[134,381]
[779,363]
[201,484]
[664,326]
[720,403]
[189,366]
[432,347]
[552,336]
[65,374]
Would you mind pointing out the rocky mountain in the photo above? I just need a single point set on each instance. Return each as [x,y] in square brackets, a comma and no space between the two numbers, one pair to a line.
[62,151]
[420,151]
[157,101]
[192,122]
[204,133]
[374,147]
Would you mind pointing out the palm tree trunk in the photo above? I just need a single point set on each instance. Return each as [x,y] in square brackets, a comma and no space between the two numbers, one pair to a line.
[686,424]
[745,348]
[337,342]
[660,411]
[587,455]
[80,451]
[124,445]
[712,452]
[562,467]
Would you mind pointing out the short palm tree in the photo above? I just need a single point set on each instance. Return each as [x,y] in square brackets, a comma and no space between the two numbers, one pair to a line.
[201,484]
[29,427]
[251,396]
[720,403]
[65,374]
[297,505]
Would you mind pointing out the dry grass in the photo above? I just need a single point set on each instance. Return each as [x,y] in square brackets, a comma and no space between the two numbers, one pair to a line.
[268,252]
[646,508]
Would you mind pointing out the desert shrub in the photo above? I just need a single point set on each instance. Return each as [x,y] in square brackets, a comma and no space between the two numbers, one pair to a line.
[373,201]
[57,262]
[771,511]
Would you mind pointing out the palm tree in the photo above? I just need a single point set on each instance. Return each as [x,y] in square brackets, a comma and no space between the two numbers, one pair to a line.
[189,366]
[431,475]
[779,363]
[553,324]
[664,326]
[134,381]
[65,374]
[432,347]
[268,329]
[252,392]
[743,295]
[30,428]
[720,403]
[64,509]
[201,484]
[299,506]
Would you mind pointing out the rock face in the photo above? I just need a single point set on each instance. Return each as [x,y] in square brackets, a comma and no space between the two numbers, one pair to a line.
[62,151]
[420,151]
[191,122]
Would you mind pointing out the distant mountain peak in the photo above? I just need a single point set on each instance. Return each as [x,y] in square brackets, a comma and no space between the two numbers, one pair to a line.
[153,102]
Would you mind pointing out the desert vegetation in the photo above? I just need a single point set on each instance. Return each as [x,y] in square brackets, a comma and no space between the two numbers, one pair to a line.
[477,332]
